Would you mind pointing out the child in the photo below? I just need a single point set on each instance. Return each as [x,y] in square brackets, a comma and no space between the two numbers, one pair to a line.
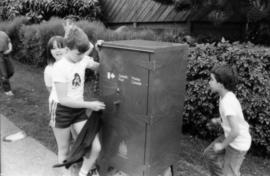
[55,51]
[68,105]
[232,148]
[6,67]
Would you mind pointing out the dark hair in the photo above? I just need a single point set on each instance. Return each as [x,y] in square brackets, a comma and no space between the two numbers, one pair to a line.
[77,39]
[226,75]
[60,43]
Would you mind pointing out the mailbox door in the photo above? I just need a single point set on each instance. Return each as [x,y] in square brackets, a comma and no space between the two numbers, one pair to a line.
[124,89]
[166,101]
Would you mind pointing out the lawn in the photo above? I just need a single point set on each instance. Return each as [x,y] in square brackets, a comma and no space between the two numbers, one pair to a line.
[28,109]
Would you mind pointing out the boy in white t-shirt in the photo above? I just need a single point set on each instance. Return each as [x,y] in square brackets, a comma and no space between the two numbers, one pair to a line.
[68,104]
[233,146]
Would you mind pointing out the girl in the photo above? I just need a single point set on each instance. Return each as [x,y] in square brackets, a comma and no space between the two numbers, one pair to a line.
[55,51]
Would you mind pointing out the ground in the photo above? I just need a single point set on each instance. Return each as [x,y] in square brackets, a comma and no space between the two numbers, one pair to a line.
[28,109]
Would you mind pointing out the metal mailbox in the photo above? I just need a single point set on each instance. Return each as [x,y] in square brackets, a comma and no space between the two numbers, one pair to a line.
[143,86]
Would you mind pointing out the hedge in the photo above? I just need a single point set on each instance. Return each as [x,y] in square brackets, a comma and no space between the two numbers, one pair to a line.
[38,10]
[253,66]
[252,63]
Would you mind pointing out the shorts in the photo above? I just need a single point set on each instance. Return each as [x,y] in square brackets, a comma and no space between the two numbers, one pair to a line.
[64,117]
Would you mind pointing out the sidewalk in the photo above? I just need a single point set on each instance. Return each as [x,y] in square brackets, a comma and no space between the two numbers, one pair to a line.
[25,157]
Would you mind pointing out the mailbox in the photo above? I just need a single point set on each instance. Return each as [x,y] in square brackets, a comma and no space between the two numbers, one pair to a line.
[143,86]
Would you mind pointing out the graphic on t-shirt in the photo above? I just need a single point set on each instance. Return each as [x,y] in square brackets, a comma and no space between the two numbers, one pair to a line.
[76,82]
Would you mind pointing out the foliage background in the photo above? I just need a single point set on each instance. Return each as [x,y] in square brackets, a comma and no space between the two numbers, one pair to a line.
[38,10]
[251,61]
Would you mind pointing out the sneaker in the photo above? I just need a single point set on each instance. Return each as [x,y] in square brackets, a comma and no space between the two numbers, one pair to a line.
[93,172]
[9,93]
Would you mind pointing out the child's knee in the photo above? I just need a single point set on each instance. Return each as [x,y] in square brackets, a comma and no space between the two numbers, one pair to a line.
[63,148]
[96,146]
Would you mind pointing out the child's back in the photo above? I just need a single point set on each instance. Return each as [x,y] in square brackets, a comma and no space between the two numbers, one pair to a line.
[230,106]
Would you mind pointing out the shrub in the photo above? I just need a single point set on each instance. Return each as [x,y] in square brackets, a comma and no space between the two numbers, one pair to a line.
[252,62]
[34,37]
[38,10]
[31,40]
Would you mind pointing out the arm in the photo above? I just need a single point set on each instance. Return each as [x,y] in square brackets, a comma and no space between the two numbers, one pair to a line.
[232,135]
[89,51]
[48,78]
[61,90]
[234,131]
[9,48]
[93,65]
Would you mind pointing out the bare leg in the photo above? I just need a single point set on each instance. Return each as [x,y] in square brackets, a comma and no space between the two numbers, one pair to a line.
[62,136]
[89,160]
[168,172]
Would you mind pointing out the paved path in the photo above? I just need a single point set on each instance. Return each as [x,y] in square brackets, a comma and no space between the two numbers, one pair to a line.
[25,157]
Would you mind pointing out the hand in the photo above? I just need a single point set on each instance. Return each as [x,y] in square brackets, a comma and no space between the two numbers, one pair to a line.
[216,121]
[96,105]
[68,25]
[218,147]
[98,44]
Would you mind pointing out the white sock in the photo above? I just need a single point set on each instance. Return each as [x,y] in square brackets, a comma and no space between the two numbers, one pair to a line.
[83,172]
[66,172]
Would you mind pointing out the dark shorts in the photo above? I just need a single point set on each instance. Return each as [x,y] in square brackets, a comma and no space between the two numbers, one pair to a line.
[63,117]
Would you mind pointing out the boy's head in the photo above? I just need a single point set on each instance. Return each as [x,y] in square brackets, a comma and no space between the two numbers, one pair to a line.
[56,48]
[223,77]
[77,43]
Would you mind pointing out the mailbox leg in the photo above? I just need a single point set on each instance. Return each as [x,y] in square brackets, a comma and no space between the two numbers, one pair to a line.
[169,171]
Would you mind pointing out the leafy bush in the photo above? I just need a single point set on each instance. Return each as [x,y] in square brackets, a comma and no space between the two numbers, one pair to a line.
[34,38]
[38,10]
[253,91]
[252,62]
[31,39]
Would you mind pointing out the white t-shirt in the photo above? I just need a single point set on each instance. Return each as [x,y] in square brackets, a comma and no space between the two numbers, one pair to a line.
[65,71]
[230,106]
[48,77]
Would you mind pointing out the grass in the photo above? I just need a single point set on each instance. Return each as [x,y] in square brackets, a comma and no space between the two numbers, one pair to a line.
[28,110]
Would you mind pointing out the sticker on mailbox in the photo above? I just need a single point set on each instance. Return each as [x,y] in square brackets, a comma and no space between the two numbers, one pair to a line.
[110,75]
[122,150]
[122,78]
[136,81]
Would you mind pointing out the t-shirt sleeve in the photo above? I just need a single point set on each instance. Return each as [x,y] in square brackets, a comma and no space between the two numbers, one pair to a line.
[90,63]
[59,74]
[230,106]
[48,76]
